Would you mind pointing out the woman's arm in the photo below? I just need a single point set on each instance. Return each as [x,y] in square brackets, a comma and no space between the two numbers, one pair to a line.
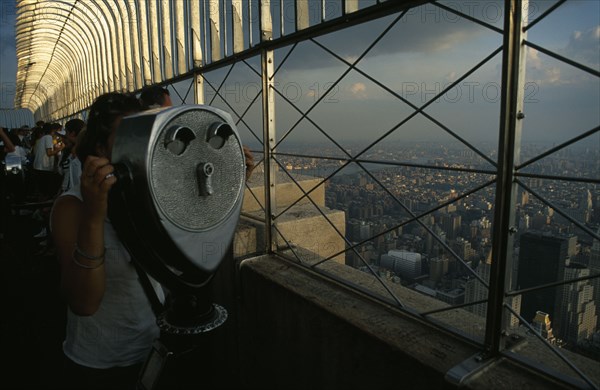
[9,147]
[78,231]
[82,286]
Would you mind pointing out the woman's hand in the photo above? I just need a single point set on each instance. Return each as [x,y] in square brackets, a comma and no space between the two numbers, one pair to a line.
[97,178]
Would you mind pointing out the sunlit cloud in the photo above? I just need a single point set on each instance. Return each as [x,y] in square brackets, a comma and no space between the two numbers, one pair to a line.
[541,72]
[584,47]
[450,77]
[359,90]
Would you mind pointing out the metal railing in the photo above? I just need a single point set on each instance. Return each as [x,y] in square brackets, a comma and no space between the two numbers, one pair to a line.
[507,172]
[228,44]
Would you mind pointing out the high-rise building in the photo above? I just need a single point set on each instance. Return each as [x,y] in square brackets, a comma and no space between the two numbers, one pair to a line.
[594,267]
[585,205]
[541,322]
[524,222]
[451,224]
[542,259]
[539,221]
[477,291]
[524,198]
[402,263]
[577,319]
[463,248]
[438,267]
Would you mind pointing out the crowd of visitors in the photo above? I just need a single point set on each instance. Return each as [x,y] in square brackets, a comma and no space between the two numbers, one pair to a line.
[34,164]
[37,161]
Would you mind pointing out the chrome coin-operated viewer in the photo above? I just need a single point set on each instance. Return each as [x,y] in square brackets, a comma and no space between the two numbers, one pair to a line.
[176,205]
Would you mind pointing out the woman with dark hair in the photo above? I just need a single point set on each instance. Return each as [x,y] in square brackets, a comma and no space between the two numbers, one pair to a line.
[154,97]
[110,323]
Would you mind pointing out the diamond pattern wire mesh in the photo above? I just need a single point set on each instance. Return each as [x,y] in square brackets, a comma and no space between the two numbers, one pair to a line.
[239,116]
[361,158]
[355,159]
[521,177]
[585,135]
[181,92]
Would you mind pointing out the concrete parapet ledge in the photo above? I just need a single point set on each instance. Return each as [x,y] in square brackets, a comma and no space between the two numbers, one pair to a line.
[302,330]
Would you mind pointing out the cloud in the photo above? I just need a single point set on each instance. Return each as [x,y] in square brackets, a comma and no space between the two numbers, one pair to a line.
[541,71]
[451,77]
[359,90]
[419,31]
[584,47]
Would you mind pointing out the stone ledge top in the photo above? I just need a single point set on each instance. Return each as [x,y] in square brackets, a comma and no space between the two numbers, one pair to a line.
[431,346]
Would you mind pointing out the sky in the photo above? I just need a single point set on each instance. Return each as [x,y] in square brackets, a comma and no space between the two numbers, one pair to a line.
[8,57]
[422,53]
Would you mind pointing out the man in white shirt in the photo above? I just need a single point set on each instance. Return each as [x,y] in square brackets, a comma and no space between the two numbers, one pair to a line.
[46,152]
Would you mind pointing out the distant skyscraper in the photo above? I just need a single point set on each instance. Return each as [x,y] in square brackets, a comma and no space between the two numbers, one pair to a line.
[438,267]
[538,221]
[524,198]
[541,323]
[365,231]
[524,222]
[403,263]
[577,318]
[451,224]
[476,291]
[585,205]
[542,259]
[463,248]
[595,270]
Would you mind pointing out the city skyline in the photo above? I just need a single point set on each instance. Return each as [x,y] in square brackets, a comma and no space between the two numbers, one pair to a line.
[377,228]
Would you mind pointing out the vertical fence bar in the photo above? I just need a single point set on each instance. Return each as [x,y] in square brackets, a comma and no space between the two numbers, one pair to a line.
[224,27]
[215,30]
[198,88]
[513,74]
[126,21]
[302,19]
[167,39]
[196,33]
[268,108]
[350,6]
[133,23]
[181,26]
[146,42]
[155,41]
[238,26]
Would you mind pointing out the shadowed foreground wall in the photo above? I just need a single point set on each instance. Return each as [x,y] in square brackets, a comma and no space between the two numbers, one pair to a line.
[298,331]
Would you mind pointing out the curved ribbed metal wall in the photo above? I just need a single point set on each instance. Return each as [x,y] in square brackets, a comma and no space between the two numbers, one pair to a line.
[71,51]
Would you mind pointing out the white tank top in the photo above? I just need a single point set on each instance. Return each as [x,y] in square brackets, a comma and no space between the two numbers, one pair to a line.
[121,332]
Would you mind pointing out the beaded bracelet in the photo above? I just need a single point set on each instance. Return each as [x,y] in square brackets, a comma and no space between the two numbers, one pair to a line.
[86,256]
[77,263]
[79,252]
